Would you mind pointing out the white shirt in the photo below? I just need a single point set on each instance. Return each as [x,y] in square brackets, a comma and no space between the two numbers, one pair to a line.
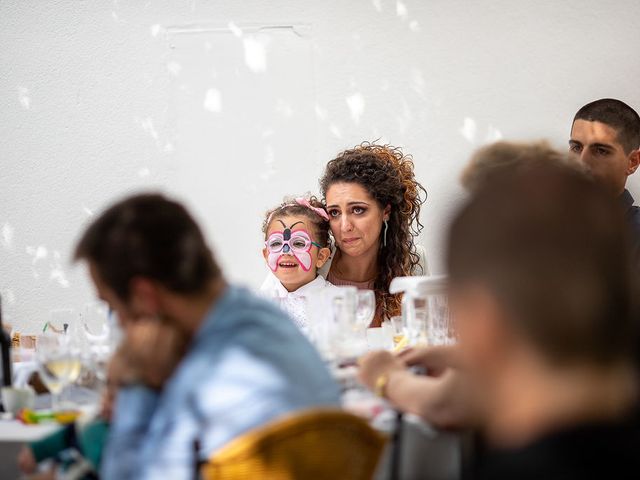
[294,303]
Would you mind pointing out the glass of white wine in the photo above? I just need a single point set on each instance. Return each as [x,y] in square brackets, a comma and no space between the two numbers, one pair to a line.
[58,365]
[399,332]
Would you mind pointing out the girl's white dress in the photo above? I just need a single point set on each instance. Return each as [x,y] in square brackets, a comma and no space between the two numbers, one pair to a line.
[295,303]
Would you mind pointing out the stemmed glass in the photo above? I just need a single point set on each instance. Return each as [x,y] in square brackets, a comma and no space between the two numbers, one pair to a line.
[399,332]
[98,338]
[58,365]
[365,307]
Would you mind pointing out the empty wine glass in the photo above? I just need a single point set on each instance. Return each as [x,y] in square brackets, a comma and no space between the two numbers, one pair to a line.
[59,320]
[99,339]
[365,307]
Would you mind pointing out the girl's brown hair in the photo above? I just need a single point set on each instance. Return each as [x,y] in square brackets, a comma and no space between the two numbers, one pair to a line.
[291,207]
[387,174]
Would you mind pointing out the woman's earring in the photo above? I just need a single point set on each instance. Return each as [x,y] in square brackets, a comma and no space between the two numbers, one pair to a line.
[384,238]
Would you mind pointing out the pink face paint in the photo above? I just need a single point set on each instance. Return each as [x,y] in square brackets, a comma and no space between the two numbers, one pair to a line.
[297,243]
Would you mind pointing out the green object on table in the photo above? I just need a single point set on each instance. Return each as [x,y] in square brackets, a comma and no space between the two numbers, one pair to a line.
[31,417]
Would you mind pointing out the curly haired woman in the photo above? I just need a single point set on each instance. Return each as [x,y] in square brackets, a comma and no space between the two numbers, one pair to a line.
[373,201]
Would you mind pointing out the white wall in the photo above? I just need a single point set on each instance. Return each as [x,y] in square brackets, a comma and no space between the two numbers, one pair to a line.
[99,99]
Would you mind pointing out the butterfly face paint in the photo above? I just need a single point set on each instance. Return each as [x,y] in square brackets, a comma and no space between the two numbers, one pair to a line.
[297,243]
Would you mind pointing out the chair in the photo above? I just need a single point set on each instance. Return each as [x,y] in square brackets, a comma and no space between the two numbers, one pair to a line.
[315,444]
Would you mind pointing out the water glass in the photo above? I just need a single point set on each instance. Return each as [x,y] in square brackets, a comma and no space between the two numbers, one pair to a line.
[440,326]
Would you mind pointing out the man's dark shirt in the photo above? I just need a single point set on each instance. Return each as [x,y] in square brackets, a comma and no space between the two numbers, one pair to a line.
[593,451]
[633,216]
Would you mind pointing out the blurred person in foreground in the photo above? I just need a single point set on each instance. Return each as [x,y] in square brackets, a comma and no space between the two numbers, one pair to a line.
[441,397]
[243,364]
[507,158]
[605,139]
[542,292]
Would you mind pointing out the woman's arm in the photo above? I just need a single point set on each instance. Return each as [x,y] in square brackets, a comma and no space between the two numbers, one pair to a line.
[443,401]
[440,401]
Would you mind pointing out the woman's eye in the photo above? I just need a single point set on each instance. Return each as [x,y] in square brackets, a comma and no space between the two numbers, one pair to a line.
[334,213]
[358,210]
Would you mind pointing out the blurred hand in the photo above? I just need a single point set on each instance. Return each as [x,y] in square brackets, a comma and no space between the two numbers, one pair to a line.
[149,353]
[46,475]
[435,360]
[375,364]
[26,461]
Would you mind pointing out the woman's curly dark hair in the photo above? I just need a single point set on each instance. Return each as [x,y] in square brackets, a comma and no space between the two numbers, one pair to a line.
[387,174]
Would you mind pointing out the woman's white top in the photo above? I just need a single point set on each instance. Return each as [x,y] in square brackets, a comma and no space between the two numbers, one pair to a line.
[294,303]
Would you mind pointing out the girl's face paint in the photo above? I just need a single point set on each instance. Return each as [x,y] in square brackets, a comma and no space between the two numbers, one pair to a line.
[291,253]
[297,243]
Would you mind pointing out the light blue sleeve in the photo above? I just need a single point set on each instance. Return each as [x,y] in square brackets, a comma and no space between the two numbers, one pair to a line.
[249,393]
[240,392]
[133,411]
[200,405]
[170,450]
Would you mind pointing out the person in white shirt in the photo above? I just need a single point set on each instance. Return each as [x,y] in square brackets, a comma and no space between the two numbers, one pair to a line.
[297,245]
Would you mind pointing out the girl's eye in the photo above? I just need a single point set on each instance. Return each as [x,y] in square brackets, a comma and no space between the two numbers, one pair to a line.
[275,244]
[299,244]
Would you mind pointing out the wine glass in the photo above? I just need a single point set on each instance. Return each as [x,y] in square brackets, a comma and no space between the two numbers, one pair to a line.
[99,339]
[59,320]
[365,307]
[57,365]
[398,332]
[349,334]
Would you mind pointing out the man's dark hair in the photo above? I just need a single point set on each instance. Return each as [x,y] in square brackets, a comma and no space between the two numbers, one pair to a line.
[149,236]
[554,250]
[619,116]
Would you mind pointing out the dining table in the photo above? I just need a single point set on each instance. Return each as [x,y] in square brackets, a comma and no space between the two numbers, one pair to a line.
[414,450]
[14,433]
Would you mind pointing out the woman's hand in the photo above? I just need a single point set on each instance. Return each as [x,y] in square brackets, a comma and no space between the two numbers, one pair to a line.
[374,365]
[434,360]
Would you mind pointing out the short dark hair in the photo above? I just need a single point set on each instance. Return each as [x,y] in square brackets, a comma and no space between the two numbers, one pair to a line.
[554,250]
[618,115]
[151,236]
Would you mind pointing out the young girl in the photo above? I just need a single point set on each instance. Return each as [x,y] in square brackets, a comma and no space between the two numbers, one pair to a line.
[296,246]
